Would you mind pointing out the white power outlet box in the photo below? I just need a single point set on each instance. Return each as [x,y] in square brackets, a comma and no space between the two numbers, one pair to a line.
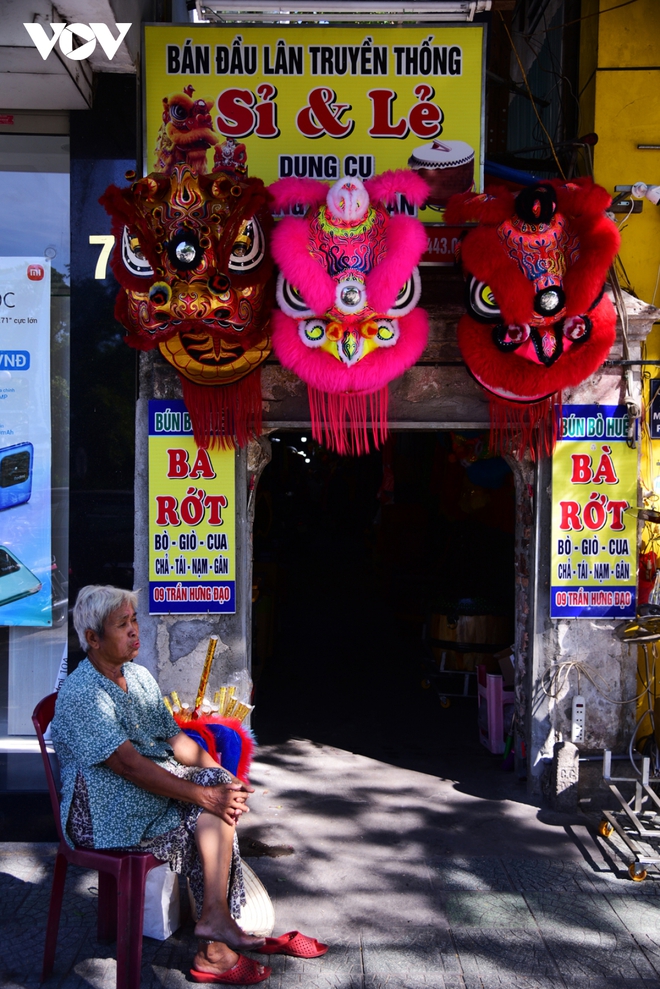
[577,721]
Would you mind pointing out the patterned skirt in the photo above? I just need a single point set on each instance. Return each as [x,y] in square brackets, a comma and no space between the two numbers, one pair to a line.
[178,846]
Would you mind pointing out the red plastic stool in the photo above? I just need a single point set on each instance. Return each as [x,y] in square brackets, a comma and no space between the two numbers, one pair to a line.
[122,876]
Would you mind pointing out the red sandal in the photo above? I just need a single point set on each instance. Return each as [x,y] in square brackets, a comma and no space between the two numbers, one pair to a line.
[246,972]
[294,943]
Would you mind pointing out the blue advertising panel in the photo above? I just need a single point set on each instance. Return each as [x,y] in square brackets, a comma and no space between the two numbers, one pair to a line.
[594,539]
[25,442]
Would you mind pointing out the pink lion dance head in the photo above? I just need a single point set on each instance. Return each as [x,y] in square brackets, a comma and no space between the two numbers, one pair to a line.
[348,322]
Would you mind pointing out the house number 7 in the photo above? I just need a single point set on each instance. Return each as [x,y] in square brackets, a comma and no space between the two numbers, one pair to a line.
[107,242]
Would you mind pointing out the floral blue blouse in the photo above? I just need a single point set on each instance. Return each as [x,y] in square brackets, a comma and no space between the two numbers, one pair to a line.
[93,716]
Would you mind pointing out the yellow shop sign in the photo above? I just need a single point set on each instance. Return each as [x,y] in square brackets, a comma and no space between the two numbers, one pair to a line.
[319,102]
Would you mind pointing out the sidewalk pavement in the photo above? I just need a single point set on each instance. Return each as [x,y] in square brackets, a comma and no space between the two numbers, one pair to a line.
[413,881]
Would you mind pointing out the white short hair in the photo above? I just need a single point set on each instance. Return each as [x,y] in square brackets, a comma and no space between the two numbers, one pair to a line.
[94,604]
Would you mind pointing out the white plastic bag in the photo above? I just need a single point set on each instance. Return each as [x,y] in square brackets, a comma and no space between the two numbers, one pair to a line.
[162,912]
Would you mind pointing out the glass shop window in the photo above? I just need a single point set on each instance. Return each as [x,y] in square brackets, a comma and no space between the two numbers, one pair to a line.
[34,416]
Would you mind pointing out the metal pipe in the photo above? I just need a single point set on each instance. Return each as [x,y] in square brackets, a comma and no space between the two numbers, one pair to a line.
[598,758]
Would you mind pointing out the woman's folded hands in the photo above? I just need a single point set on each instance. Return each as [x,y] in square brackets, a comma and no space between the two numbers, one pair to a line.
[227,801]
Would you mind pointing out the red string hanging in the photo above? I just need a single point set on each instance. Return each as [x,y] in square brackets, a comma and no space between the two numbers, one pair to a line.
[223,417]
[517,427]
[342,421]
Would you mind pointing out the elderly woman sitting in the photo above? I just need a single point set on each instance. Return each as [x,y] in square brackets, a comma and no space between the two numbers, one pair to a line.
[132,779]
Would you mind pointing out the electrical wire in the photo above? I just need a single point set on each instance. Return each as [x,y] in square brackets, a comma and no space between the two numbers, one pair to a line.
[649,711]
[646,462]
[562,82]
[547,61]
[623,276]
[531,96]
[596,13]
[655,290]
[626,217]
[631,744]
[555,679]
[633,408]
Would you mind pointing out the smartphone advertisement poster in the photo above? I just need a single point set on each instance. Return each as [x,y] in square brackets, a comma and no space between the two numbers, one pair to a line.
[25,442]
[192,567]
[594,539]
[319,102]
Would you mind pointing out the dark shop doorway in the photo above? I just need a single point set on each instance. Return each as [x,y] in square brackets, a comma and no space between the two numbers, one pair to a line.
[358,562]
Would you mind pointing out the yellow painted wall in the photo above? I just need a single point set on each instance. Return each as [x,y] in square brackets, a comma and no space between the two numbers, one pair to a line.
[628,35]
[620,100]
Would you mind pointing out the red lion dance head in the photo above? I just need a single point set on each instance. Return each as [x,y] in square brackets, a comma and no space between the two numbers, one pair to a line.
[348,290]
[538,320]
[192,260]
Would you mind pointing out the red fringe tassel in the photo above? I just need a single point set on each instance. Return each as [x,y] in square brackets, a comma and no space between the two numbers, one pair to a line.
[224,416]
[518,427]
[340,421]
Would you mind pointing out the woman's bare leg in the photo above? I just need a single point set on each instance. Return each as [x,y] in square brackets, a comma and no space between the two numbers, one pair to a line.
[214,840]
